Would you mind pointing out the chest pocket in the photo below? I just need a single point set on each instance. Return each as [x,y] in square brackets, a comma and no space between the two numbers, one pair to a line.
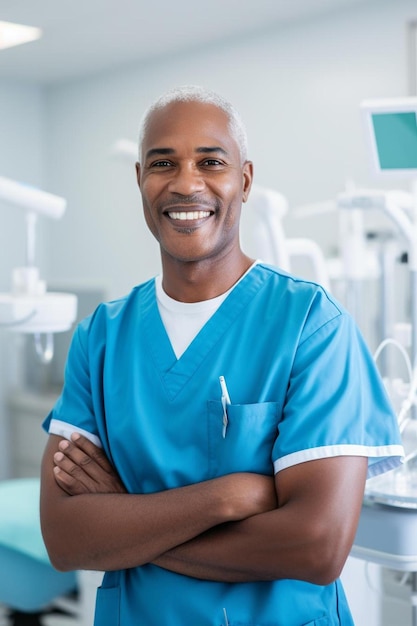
[248,438]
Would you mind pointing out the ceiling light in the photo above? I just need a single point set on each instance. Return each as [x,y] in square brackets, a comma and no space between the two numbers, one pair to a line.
[16,34]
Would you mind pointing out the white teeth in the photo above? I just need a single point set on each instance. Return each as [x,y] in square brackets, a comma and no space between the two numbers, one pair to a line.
[188,215]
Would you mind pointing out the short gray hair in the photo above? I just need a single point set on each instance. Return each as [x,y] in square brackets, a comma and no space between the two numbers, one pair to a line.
[194,93]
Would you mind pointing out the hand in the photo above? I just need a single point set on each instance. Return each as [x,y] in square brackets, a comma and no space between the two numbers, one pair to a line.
[81,467]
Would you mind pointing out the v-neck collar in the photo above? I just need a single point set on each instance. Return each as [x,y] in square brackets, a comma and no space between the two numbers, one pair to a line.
[174,372]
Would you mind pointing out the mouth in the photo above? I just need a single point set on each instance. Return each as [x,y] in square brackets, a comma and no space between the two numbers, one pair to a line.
[188,216]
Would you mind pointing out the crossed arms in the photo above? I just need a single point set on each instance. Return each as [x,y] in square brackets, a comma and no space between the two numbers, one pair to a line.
[237,528]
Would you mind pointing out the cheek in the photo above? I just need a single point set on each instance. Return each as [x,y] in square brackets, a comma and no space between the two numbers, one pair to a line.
[232,203]
[232,191]
[148,200]
[149,218]
[146,193]
[153,227]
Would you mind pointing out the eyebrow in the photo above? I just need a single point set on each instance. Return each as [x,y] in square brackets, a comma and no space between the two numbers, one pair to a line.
[158,152]
[201,150]
[211,150]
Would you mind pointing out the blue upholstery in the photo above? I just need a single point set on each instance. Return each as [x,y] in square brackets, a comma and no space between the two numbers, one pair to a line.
[28,582]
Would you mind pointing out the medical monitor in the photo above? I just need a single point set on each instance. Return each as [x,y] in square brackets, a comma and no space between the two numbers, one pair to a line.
[391,133]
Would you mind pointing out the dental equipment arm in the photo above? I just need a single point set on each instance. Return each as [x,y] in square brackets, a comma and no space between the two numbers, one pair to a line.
[303,247]
[268,238]
[31,199]
[391,203]
[29,308]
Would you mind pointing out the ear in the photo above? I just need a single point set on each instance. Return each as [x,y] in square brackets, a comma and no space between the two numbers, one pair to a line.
[247,179]
[137,165]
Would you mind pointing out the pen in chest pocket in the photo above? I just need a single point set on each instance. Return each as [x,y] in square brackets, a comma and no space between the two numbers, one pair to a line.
[225,401]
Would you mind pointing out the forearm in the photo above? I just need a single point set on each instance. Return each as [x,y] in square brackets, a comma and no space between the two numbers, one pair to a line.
[265,547]
[115,531]
[307,537]
[83,501]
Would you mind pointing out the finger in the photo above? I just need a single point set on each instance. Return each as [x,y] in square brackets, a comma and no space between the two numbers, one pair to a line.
[75,480]
[91,450]
[78,457]
[68,483]
[87,470]
[77,472]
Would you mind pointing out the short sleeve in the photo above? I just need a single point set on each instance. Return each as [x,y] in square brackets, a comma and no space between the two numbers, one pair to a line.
[74,409]
[336,403]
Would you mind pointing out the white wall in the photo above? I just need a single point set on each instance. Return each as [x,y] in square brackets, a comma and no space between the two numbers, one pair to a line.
[22,136]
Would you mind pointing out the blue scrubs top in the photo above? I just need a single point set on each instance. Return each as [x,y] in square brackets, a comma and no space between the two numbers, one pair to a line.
[303,386]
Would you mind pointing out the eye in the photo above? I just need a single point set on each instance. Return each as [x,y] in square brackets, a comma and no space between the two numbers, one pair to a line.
[161,164]
[212,162]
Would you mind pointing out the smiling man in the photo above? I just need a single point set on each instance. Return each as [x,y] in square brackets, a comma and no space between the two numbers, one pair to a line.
[211,443]
[193,178]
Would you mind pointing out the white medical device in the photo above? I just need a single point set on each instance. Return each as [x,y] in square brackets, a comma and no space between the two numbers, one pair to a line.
[29,308]
[386,533]
[262,234]
[391,134]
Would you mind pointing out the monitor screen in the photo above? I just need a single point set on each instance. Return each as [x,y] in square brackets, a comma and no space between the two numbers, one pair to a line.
[391,131]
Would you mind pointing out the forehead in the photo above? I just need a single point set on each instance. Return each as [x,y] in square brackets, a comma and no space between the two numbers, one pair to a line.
[189,125]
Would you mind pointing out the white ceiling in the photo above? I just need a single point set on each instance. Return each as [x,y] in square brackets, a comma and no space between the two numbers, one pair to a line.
[86,36]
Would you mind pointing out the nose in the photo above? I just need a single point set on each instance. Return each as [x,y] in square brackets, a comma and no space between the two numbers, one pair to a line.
[186,179]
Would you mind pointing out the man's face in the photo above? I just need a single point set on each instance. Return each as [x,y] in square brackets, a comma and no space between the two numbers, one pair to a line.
[192,181]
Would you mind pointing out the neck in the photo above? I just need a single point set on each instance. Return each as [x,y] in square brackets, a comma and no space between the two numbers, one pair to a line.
[196,281]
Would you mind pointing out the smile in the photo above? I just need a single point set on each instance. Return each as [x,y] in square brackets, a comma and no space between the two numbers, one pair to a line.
[188,215]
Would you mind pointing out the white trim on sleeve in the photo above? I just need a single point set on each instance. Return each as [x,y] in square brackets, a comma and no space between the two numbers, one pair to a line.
[63,429]
[390,456]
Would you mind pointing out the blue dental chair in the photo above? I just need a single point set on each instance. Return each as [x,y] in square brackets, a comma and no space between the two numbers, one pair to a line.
[28,582]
